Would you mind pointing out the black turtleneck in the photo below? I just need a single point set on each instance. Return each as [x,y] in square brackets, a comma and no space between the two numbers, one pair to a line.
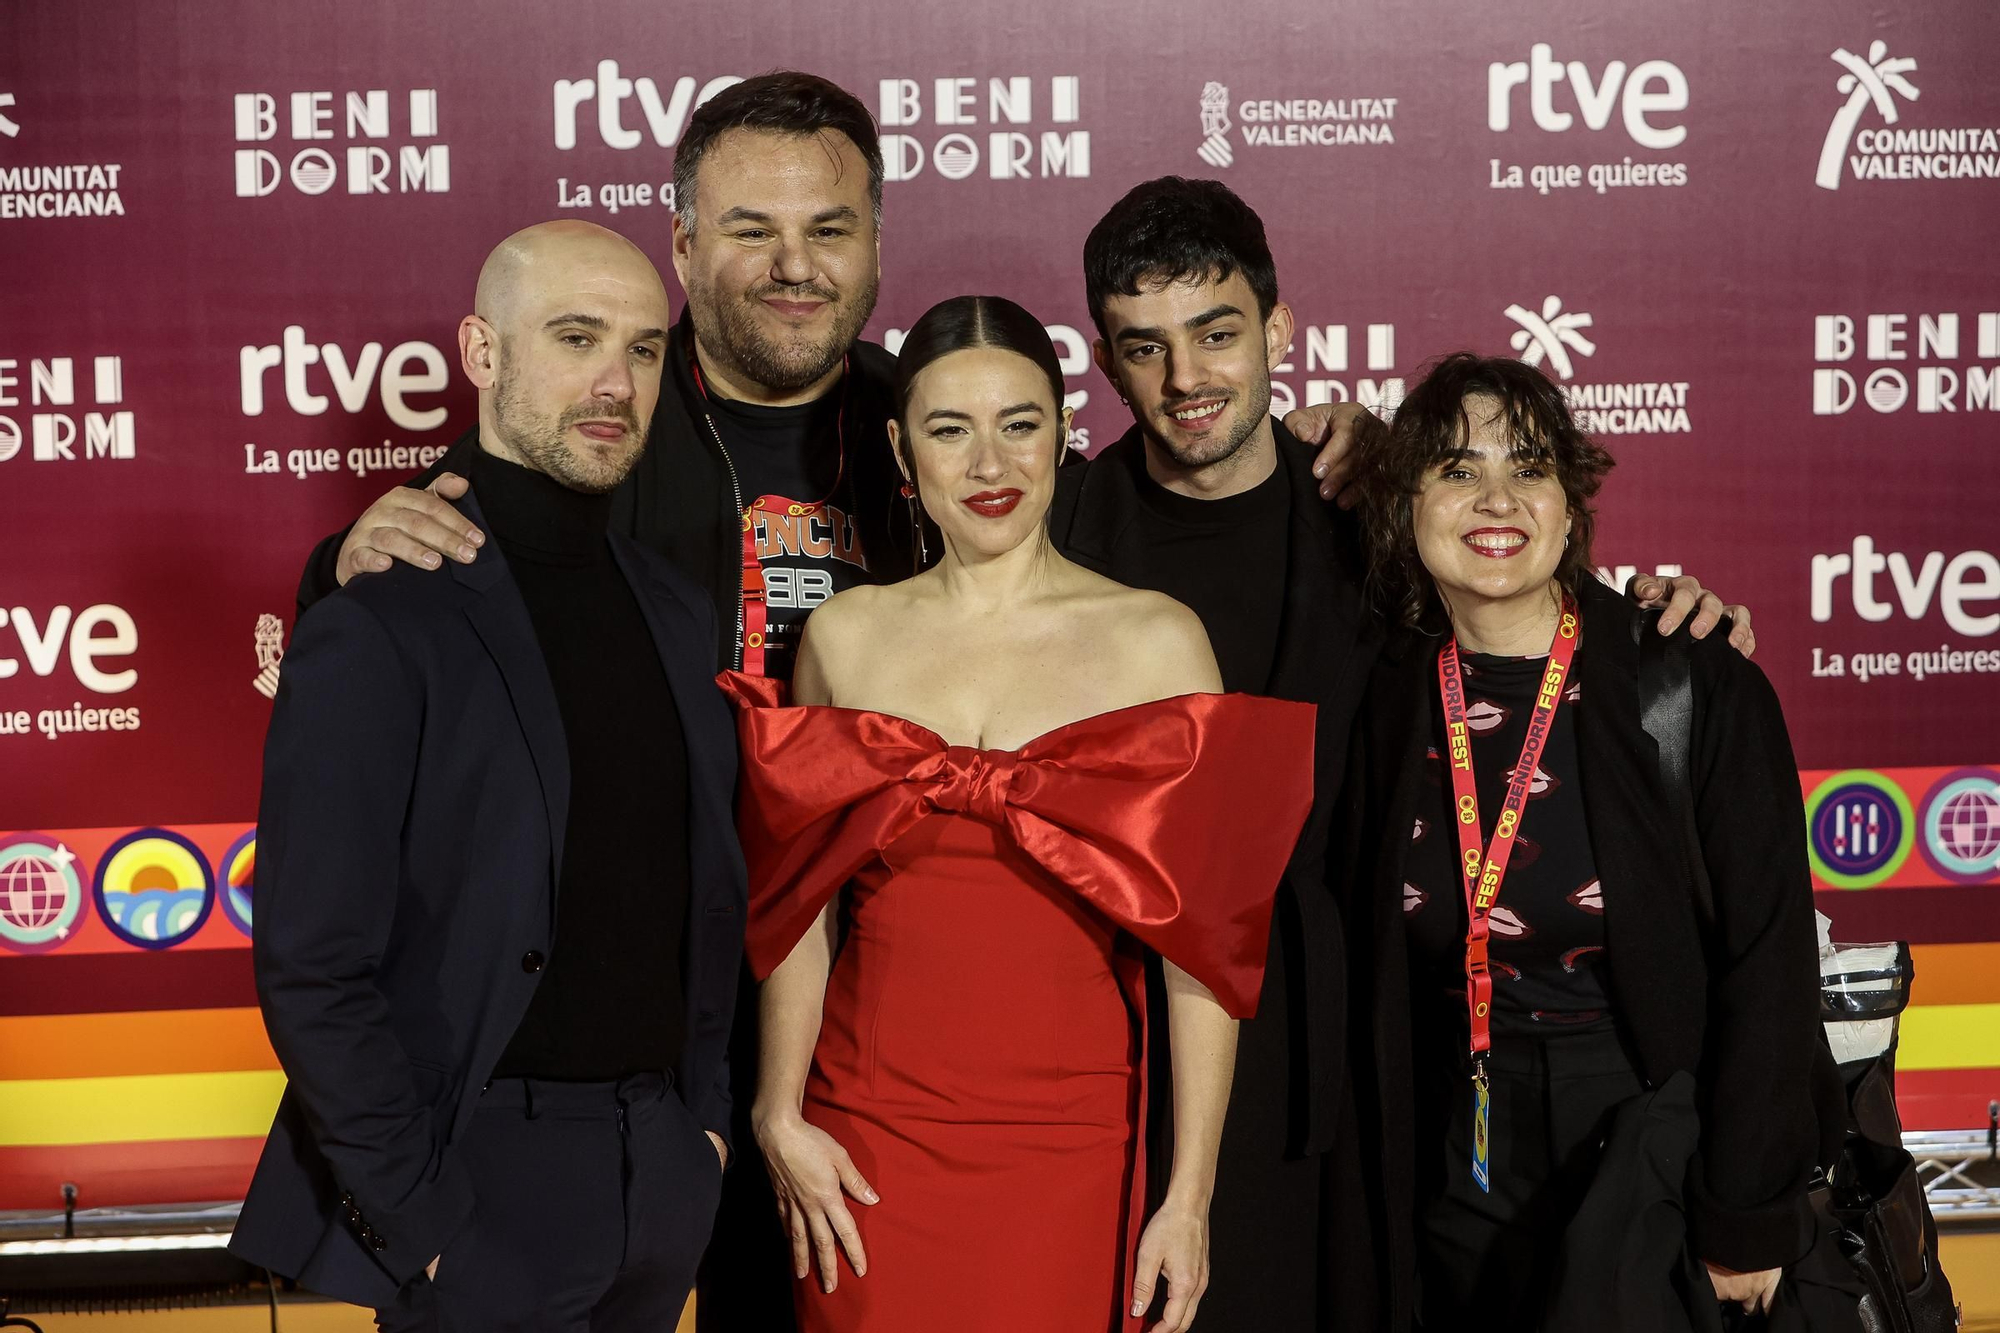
[610,1001]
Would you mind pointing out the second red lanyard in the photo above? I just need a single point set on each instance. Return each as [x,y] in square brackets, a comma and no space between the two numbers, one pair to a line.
[1484,868]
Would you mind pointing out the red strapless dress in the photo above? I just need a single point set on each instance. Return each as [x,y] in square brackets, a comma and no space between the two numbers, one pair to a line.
[979,1054]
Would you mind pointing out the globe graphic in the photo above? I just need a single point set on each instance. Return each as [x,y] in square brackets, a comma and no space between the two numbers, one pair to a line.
[33,893]
[1968,824]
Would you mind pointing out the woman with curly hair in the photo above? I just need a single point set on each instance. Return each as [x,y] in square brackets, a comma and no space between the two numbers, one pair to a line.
[1542,953]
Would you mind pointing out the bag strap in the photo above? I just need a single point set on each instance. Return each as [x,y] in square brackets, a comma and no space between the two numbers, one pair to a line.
[1666,710]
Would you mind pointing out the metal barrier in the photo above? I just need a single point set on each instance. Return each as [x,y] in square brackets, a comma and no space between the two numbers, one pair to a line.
[1960,1170]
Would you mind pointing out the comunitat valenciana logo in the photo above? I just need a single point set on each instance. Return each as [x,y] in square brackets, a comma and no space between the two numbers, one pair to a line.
[1929,362]
[1295,122]
[1643,103]
[1011,128]
[53,189]
[312,378]
[1882,148]
[1547,334]
[88,647]
[71,416]
[362,144]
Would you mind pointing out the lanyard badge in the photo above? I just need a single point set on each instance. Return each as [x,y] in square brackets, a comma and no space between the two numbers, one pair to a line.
[1484,868]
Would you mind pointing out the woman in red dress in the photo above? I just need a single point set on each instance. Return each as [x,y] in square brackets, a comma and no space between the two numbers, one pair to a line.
[999,787]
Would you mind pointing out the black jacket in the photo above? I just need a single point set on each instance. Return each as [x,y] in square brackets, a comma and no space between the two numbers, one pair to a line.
[1737,1006]
[683,498]
[1325,642]
[416,793]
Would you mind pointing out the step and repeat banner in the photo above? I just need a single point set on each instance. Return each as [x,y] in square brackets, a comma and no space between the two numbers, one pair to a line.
[1755,244]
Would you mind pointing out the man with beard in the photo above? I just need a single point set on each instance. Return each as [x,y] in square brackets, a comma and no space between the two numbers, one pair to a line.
[770,480]
[482,1130]
[1211,501]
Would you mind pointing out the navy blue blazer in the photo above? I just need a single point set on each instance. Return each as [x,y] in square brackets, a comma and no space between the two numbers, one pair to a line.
[416,790]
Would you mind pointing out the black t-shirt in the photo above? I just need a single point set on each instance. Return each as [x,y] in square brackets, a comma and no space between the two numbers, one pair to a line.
[610,1001]
[1547,944]
[807,543]
[1225,560]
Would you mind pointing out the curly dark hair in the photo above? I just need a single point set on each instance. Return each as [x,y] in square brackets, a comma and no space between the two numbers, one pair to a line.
[1429,432]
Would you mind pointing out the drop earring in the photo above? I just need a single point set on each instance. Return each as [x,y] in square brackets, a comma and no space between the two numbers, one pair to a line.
[916,525]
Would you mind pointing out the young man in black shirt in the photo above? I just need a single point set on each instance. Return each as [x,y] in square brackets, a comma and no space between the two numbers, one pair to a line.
[1211,501]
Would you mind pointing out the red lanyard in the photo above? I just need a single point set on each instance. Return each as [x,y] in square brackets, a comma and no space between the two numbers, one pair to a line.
[756,614]
[1484,869]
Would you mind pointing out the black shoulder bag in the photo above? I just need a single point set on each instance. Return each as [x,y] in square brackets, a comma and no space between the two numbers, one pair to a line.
[1871,1200]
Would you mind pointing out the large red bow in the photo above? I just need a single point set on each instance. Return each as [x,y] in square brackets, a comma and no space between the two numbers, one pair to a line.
[1174,818]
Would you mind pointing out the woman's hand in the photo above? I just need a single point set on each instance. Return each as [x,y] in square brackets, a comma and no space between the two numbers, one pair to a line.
[1755,1292]
[811,1175]
[1174,1246]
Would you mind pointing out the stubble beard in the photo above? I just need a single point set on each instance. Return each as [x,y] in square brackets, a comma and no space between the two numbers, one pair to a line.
[728,330]
[542,442]
[1214,453]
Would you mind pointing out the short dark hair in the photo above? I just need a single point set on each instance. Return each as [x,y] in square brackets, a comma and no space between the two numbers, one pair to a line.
[784,101]
[1176,230]
[1431,429]
[977,321]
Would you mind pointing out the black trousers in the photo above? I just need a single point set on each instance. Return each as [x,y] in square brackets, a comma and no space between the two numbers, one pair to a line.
[1265,1241]
[746,1279]
[592,1204]
[1485,1259]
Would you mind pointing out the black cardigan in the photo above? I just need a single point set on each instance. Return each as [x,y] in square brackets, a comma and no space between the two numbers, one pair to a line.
[1738,1009]
[1326,640]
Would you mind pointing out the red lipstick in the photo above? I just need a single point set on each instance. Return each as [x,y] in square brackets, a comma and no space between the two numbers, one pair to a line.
[992,504]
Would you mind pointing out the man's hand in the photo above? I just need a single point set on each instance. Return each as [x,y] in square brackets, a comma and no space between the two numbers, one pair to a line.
[1683,593]
[1755,1292]
[1340,431]
[721,1148]
[416,527]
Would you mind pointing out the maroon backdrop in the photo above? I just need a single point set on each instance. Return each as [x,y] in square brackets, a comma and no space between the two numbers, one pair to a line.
[1755,241]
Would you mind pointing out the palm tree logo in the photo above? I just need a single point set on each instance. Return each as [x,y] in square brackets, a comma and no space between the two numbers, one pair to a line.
[1551,334]
[1872,80]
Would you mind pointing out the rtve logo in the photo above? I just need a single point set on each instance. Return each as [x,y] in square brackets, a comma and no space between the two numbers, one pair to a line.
[1950,583]
[42,645]
[610,90]
[1595,98]
[1009,154]
[351,378]
[1889,339]
[53,384]
[313,170]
